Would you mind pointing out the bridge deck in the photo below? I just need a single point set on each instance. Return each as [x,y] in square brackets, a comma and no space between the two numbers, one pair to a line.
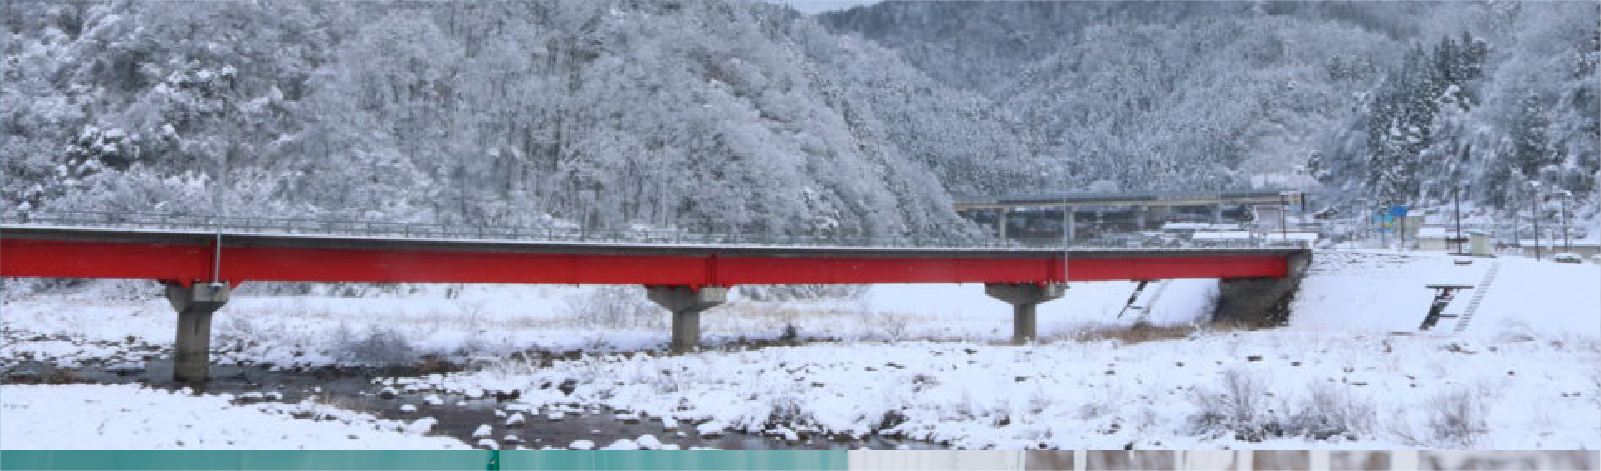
[188,256]
[1130,198]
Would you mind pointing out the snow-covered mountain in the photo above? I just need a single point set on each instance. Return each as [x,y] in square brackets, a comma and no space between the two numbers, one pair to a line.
[748,116]
[1393,102]
[708,116]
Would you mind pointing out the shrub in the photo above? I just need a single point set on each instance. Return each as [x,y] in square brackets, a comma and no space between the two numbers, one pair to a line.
[1331,412]
[379,346]
[1237,406]
[12,289]
[801,292]
[896,326]
[616,306]
[1240,406]
[1455,418]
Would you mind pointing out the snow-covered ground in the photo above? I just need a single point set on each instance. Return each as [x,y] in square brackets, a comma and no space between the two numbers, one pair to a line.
[113,417]
[1376,291]
[929,361]
[105,321]
[1525,373]
[1355,391]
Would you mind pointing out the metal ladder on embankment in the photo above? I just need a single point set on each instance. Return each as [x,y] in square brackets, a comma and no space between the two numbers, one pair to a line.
[1478,297]
[1161,285]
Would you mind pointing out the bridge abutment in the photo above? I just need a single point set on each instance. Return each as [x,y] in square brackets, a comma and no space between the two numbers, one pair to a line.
[1261,301]
[191,357]
[686,304]
[1024,298]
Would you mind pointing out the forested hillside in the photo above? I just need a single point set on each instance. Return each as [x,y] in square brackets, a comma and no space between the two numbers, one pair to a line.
[1388,102]
[705,116]
[747,116]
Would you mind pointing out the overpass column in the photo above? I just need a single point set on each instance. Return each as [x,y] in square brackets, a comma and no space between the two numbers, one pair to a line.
[1024,297]
[1000,222]
[1139,217]
[1067,224]
[686,303]
[191,359]
[1217,213]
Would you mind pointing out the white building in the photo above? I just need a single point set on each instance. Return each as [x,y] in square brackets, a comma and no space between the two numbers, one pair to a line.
[1435,238]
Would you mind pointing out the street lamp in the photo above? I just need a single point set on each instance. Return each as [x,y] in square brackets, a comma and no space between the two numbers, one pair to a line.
[219,208]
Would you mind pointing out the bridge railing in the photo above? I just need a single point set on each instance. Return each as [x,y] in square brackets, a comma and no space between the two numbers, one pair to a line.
[259,225]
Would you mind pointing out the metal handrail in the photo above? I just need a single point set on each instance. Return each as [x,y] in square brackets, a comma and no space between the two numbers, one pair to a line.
[212,223]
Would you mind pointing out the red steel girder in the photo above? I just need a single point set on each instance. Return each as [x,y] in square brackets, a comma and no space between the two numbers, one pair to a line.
[21,257]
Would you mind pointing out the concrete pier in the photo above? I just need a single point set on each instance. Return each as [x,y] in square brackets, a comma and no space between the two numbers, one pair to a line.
[686,305]
[1024,298]
[1261,302]
[1000,223]
[1067,224]
[192,347]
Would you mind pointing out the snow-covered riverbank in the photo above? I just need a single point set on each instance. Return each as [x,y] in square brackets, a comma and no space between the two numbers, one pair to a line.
[122,322]
[927,362]
[115,417]
[1225,389]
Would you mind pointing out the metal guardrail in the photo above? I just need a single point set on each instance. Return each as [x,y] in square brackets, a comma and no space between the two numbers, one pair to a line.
[1090,198]
[210,223]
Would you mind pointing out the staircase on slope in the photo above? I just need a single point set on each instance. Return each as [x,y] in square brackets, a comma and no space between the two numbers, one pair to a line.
[1478,297]
[1150,302]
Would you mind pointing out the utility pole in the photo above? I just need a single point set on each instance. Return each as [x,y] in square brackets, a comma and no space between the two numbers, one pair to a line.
[1367,224]
[1384,232]
[1567,245]
[1401,236]
[1517,231]
[1284,226]
[1367,221]
[1456,201]
[1534,213]
[220,209]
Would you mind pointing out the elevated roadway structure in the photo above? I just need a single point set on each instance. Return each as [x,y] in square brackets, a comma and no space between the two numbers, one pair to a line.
[1144,205]
[200,267]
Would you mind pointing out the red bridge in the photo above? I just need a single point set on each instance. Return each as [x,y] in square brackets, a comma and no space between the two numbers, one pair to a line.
[200,268]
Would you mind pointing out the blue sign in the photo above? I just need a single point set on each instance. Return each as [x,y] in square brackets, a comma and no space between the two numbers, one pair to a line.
[1295,201]
[1386,221]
